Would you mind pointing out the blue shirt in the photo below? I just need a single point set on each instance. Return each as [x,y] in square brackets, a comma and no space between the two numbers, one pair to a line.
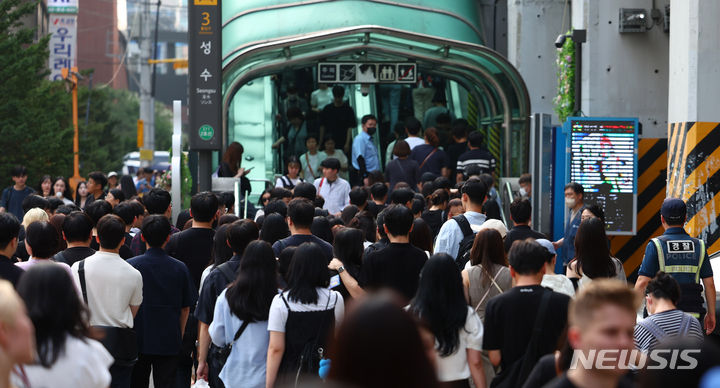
[363,145]
[571,227]
[650,264]
[167,288]
[450,235]
[245,367]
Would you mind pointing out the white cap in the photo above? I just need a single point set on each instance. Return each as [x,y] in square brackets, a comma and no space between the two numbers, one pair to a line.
[495,224]
[112,174]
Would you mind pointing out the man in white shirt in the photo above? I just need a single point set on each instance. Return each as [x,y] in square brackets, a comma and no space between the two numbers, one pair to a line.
[113,287]
[413,129]
[335,190]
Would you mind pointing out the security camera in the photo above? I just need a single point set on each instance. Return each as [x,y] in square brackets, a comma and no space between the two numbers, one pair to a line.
[365,90]
[560,41]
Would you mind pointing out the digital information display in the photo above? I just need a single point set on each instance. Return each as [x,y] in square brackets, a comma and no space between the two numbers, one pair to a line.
[603,159]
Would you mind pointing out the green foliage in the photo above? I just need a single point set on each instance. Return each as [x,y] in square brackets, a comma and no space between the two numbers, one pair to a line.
[565,99]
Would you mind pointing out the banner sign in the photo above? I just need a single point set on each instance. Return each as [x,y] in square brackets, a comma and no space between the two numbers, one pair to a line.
[63,44]
[62,6]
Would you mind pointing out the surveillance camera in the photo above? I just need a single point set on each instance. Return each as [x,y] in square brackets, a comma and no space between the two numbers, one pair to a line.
[365,90]
[560,41]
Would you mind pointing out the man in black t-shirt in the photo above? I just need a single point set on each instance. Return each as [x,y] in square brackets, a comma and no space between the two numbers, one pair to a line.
[194,248]
[77,232]
[476,156]
[397,266]
[510,317]
[9,229]
[300,217]
[520,211]
[337,120]
[602,318]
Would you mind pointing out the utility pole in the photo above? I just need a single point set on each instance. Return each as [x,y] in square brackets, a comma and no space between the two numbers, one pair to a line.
[147,104]
[71,77]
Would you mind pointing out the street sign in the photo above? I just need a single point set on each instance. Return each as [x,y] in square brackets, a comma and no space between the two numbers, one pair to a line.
[205,73]
[63,44]
[367,73]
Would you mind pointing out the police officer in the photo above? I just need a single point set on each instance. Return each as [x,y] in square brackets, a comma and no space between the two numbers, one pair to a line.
[683,257]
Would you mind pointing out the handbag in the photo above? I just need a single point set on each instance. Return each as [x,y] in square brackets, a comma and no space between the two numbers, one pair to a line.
[120,342]
[222,354]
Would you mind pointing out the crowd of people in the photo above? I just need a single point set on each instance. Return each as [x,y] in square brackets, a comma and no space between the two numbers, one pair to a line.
[411,278]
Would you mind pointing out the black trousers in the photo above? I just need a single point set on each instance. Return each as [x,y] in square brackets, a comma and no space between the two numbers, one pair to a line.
[187,357]
[164,369]
[120,376]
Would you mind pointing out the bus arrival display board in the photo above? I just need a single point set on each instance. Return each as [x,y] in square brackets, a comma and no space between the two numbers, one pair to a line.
[603,159]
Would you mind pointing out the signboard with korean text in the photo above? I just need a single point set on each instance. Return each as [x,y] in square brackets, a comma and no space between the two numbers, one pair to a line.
[63,44]
[62,6]
[367,73]
[205,73]
[603,159]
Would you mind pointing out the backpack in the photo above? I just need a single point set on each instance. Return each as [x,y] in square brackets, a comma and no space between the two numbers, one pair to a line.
[466,243]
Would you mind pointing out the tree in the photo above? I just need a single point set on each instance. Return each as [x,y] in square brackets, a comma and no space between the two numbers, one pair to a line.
[34,126]
[35,113]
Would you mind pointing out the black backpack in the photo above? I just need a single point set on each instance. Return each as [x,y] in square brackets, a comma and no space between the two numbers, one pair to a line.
[466,243]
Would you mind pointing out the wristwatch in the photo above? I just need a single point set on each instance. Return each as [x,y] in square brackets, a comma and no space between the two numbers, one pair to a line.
[341,269]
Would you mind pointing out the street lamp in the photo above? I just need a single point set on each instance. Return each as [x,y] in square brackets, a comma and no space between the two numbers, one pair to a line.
[579,37]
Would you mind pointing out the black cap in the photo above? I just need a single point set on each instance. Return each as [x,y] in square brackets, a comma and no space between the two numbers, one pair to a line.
[427,177]
[331,163]
[674,210]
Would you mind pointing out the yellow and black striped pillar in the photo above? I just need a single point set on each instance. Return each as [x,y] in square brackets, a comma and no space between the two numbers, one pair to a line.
[694,175]
[652,164]
[472,109]
[494,145]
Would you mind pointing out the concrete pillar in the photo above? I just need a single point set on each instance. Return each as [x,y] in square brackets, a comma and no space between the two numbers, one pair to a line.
[533,26]
[693,115]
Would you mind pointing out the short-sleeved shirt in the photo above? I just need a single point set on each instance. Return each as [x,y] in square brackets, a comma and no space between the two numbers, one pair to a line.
[72,255]
[669,323]
[510,318]
[167,289]
[650,265]
[450,235]
[113,286]
[455,366]
[414,141]
[12,199]
[9,271]
[396,267]
[403,170]
[435,161]
[214,284]
[298,239]
[476,157]
[336,194]
[311,165]
[194,248]
[363,146]
[86,358]
[337,120]
[279,312]
[245,366]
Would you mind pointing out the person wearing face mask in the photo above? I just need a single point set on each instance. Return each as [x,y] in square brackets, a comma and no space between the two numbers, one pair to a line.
[525,183]
[365,158]
[574,195]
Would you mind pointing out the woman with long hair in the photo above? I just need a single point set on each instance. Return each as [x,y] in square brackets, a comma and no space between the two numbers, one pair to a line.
[593,259]
[430,157]
[302,318]
[421,236]
[274,228]
[489,274]
[127,186]
[241,317]
[458,332]
[44,187]
[362,357]
[17,329]
[81,194]
[230,166]
[348,251]
[66,356]
[62,190]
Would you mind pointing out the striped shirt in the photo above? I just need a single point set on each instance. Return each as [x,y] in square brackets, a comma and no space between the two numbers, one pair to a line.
[478,157]
[657,327]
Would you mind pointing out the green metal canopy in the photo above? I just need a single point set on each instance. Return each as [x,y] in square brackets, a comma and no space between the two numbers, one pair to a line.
[263,37]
